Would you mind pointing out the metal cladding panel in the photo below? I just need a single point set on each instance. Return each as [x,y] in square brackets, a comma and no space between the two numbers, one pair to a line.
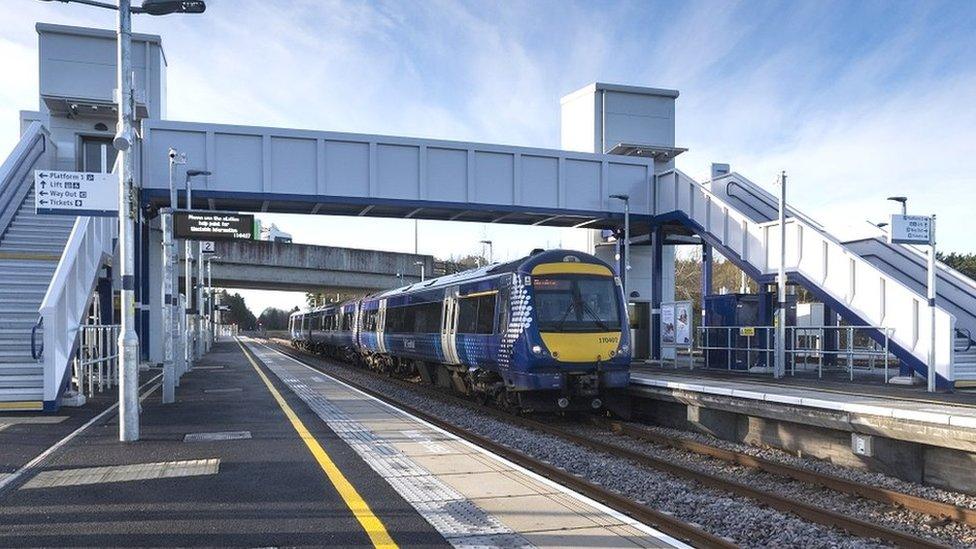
[583,185]
[398,171]
[540,180]
[80,64]
[447,171]
[494,177]
[294,165]
[346,168]
[639,118]
[239,158]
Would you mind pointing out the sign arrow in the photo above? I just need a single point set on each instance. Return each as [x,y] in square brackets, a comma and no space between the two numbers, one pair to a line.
[43,193]
[43,202]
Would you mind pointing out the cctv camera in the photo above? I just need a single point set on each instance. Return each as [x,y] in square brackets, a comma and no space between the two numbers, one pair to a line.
[172,154]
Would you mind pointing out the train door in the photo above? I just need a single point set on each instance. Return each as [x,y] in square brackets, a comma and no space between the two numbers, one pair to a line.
[381,327]
[449,327]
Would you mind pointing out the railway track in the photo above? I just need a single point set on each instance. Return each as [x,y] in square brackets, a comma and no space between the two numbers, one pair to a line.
[803,509]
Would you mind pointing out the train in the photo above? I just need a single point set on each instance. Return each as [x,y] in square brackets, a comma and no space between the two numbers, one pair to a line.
[547,332]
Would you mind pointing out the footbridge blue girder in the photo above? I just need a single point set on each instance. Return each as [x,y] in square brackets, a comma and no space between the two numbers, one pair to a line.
[329,173]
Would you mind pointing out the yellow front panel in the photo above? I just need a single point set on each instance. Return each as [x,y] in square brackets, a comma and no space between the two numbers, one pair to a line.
[571,268]
[590,347]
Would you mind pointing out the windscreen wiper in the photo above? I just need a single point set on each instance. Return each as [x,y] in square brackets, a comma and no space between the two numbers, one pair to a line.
[596,317]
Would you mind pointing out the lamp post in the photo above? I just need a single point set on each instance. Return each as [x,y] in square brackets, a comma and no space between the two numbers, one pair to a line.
[192,300]
[491,250]
[422,269]
[123,142]
[779,369]
[626,270]
[903,200]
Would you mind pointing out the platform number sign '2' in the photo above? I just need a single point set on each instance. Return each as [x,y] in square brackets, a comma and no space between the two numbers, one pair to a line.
[76,193]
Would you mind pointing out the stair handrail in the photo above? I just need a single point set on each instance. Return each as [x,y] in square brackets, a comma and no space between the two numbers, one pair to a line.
[767,198]
[964,332]
[37,353]
[912,337]
[15,170]
[89,248]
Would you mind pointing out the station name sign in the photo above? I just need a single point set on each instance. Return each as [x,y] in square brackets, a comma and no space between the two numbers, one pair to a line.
[213,226]
[911,229]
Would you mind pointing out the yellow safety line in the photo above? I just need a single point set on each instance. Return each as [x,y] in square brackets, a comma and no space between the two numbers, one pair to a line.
[26,405]
[374,527]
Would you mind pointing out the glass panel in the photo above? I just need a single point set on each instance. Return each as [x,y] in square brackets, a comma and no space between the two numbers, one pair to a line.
[576,303]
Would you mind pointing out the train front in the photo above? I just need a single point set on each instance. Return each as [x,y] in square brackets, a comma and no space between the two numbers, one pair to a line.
[577,339]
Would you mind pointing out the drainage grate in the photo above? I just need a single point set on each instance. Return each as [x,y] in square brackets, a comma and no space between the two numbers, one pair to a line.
[220,435]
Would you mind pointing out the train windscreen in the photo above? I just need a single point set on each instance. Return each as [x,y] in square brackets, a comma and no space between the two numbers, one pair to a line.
[576,303]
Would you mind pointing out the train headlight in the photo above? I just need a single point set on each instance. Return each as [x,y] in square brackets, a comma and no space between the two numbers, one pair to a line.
[624,348]
[537,350]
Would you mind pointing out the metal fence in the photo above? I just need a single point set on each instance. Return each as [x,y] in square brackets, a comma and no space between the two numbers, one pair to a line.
[95,365]
[828,348]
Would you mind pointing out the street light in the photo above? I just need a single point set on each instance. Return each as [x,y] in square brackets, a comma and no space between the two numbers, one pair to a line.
[903,200]
[123,141]
[626,200]
[491,250]
[192,300]
[423,267]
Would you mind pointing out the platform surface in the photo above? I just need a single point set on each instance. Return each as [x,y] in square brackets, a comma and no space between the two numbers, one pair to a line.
[232,463]
[955,409]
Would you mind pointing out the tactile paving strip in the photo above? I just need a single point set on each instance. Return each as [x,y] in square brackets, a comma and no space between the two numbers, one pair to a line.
[123,473]
[460,521]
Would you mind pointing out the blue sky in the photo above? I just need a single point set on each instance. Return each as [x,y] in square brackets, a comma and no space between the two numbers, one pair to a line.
[855,100]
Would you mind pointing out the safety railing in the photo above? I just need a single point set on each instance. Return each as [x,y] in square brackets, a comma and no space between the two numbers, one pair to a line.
[823,347]
[66,302]
[96,361]
[16,174]
[821,260]
[964,333]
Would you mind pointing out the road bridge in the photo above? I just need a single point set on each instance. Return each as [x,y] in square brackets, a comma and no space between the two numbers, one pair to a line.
[263,265]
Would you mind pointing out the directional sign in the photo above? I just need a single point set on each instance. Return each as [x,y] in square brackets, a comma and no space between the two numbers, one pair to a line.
[208,246]
[213,226]
[911,229]
[76,193]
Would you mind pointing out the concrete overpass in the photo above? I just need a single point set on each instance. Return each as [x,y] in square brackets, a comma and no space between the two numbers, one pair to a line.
[261,265]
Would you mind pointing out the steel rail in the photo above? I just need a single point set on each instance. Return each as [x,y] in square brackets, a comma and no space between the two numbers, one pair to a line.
[802,509]
[665,522]
[937,509]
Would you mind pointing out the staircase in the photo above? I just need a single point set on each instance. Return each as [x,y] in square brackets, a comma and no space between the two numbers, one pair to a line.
[29,252]
[732,215]
[955,292]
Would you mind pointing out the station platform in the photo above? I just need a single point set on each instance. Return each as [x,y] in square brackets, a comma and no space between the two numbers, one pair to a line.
[260,450]
[907,432]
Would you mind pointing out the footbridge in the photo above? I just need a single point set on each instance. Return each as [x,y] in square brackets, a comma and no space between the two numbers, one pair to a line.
[617,140]
[264,265]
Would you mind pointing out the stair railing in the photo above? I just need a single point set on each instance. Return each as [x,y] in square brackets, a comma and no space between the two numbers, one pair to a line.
[819,258]
[65,304]
[16,173]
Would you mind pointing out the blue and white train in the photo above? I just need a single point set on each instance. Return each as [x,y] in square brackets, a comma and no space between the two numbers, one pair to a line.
[546,332]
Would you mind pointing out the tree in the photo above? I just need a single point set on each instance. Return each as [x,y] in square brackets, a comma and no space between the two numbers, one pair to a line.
[239,313]
[964,263]
[273,318]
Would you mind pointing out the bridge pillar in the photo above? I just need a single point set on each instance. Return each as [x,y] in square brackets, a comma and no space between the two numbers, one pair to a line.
[657,283]
[831,337]
[706,278]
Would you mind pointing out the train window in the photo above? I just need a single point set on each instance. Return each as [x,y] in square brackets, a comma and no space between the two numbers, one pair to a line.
[347,321]
[476,315]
